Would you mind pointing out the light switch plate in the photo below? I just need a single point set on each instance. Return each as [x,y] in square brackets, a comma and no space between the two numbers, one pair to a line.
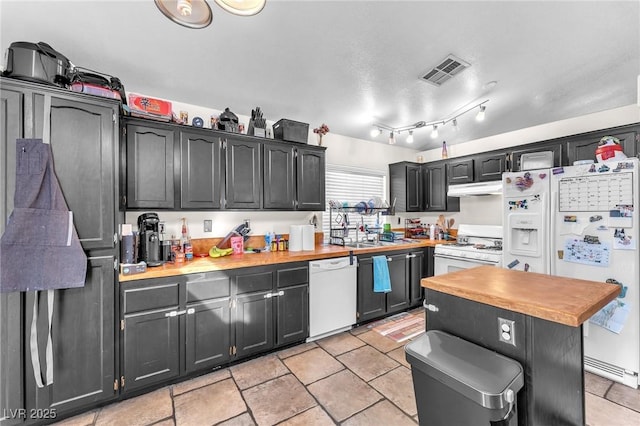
[208,224]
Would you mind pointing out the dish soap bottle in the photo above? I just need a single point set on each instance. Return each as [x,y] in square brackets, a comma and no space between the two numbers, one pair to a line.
[186,241]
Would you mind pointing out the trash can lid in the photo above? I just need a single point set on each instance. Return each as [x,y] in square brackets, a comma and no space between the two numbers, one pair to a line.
[479,374]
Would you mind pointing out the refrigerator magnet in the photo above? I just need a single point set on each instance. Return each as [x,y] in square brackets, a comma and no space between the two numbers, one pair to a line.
[513,264]
[557,171]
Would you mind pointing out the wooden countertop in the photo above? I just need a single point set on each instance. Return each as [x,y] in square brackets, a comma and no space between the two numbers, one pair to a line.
[566,301]
[209,264]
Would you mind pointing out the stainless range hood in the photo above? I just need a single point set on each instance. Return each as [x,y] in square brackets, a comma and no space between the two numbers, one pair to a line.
[478,188]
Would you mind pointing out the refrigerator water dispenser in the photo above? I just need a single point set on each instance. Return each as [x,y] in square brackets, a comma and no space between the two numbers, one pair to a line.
[525,237]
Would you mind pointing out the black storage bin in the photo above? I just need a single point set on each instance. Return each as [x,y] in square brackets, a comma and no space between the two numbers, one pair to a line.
[292,131]
[459,383]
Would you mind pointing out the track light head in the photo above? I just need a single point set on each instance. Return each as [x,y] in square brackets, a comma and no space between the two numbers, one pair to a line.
[375,132]
[480,115]
[410,137]
[392,138]
[434,132]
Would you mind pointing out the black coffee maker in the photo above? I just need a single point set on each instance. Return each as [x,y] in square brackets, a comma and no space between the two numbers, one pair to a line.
[149,239]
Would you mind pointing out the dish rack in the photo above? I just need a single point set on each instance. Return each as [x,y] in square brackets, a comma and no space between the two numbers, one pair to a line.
[338,235]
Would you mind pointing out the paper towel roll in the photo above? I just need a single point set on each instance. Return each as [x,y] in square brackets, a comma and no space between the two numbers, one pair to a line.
[295,238]
[308,237]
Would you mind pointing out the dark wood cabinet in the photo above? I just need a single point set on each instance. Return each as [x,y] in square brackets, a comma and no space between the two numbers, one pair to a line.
[460,171]
[406,187]
[489,167]
[310,179]
[200,171]
[398,297]
[11,321]
[82,131]
[434,176]
[417,271]
[406,269]
[272,308]
[253,313]
[173,327]
[557,148]
[150,166]
[279,177]
[207,321]
[150,332]
[584,147]
[83,342]
[243,177]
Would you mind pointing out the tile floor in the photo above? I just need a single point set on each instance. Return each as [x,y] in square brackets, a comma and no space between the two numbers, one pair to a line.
[353,378]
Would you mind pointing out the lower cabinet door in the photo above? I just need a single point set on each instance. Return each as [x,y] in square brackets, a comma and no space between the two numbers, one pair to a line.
[416,273]
[151,348]
[293,314]
[83,343]
[370,304]
[254,323]
[398,297]
[208,334]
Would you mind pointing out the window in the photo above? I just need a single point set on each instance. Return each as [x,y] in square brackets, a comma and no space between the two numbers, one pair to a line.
[352,185]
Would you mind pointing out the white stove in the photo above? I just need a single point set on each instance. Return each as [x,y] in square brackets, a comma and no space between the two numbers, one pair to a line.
[477,245]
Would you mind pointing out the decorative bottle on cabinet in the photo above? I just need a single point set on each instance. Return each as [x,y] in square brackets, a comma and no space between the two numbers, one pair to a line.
[444,150]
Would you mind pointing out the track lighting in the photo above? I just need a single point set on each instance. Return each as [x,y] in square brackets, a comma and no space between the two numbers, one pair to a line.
[480,115]
[242,7]
[377,128]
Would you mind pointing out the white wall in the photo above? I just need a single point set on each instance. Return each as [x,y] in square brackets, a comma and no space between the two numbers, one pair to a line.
[342,150]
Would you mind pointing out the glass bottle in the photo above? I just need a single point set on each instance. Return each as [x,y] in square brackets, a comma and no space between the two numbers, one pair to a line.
[444,150]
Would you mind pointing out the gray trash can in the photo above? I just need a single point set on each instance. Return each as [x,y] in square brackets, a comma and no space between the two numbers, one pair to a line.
[459,383]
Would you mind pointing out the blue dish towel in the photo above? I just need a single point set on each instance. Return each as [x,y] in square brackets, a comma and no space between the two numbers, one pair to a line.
[381,280]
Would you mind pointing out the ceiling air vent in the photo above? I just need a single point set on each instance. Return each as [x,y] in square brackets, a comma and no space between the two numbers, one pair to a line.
[442,72]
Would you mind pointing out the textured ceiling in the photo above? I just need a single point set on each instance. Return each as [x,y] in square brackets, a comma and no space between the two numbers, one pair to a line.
[352,63]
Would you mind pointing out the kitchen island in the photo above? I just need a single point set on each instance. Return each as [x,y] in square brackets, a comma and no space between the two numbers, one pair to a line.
[544,315]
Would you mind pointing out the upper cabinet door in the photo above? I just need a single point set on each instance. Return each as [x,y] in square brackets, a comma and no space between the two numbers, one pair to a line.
[489,167]
[150,160]
[460,171]
[243,174]
[584,148]
[311,179]
[435,186]
[279,183]
[82,137]
[200,176]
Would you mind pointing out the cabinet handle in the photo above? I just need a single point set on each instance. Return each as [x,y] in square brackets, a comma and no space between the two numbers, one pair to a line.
[389,259]
[176,313]
[409,256]
[270,295]
[191,311]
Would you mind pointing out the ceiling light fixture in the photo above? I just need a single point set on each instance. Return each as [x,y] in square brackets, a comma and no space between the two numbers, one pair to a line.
[392,139]
[379,127]
[480,115]
[188,13]
[242,7]
[197,13]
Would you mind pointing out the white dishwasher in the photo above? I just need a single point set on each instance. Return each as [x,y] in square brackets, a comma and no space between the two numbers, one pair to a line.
[332,296]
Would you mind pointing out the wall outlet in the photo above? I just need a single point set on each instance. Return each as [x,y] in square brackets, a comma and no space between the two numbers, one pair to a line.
[208,224]
[247,223]
[506,331]
[161,227]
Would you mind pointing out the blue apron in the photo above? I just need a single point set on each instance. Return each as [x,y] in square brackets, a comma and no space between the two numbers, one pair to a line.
[39,249]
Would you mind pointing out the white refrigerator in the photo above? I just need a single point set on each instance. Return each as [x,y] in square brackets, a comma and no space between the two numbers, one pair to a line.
[580,222]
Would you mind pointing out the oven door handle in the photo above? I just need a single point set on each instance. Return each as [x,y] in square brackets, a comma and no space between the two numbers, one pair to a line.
[465,259]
